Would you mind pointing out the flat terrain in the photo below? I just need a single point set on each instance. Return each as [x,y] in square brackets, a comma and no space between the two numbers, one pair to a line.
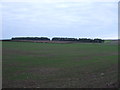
[55,65]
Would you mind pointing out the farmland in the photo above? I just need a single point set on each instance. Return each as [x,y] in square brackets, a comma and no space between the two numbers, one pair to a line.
[59,65]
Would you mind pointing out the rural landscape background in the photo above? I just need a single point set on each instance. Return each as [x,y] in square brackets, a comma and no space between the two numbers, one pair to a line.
[60,44]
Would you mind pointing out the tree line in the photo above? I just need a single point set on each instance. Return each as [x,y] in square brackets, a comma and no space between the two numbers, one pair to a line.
[60,39]
[31,38]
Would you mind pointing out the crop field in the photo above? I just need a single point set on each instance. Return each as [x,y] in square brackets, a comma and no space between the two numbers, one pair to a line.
[55,65]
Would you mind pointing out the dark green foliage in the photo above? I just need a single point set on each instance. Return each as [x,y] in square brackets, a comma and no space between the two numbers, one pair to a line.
[85,40]
[98,40]
[31,38]
[78,40]
[64,39]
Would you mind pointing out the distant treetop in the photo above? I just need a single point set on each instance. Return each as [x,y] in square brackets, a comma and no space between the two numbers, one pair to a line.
[60,39]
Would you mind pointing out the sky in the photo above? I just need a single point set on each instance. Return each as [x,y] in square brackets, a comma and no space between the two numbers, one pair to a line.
[59,18]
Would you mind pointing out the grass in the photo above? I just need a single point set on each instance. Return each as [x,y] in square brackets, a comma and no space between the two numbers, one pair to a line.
[58,65]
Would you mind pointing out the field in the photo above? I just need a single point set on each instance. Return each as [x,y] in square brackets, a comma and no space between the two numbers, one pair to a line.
[55,65]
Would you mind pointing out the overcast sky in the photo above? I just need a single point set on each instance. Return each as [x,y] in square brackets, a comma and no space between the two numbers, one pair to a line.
[62,18]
